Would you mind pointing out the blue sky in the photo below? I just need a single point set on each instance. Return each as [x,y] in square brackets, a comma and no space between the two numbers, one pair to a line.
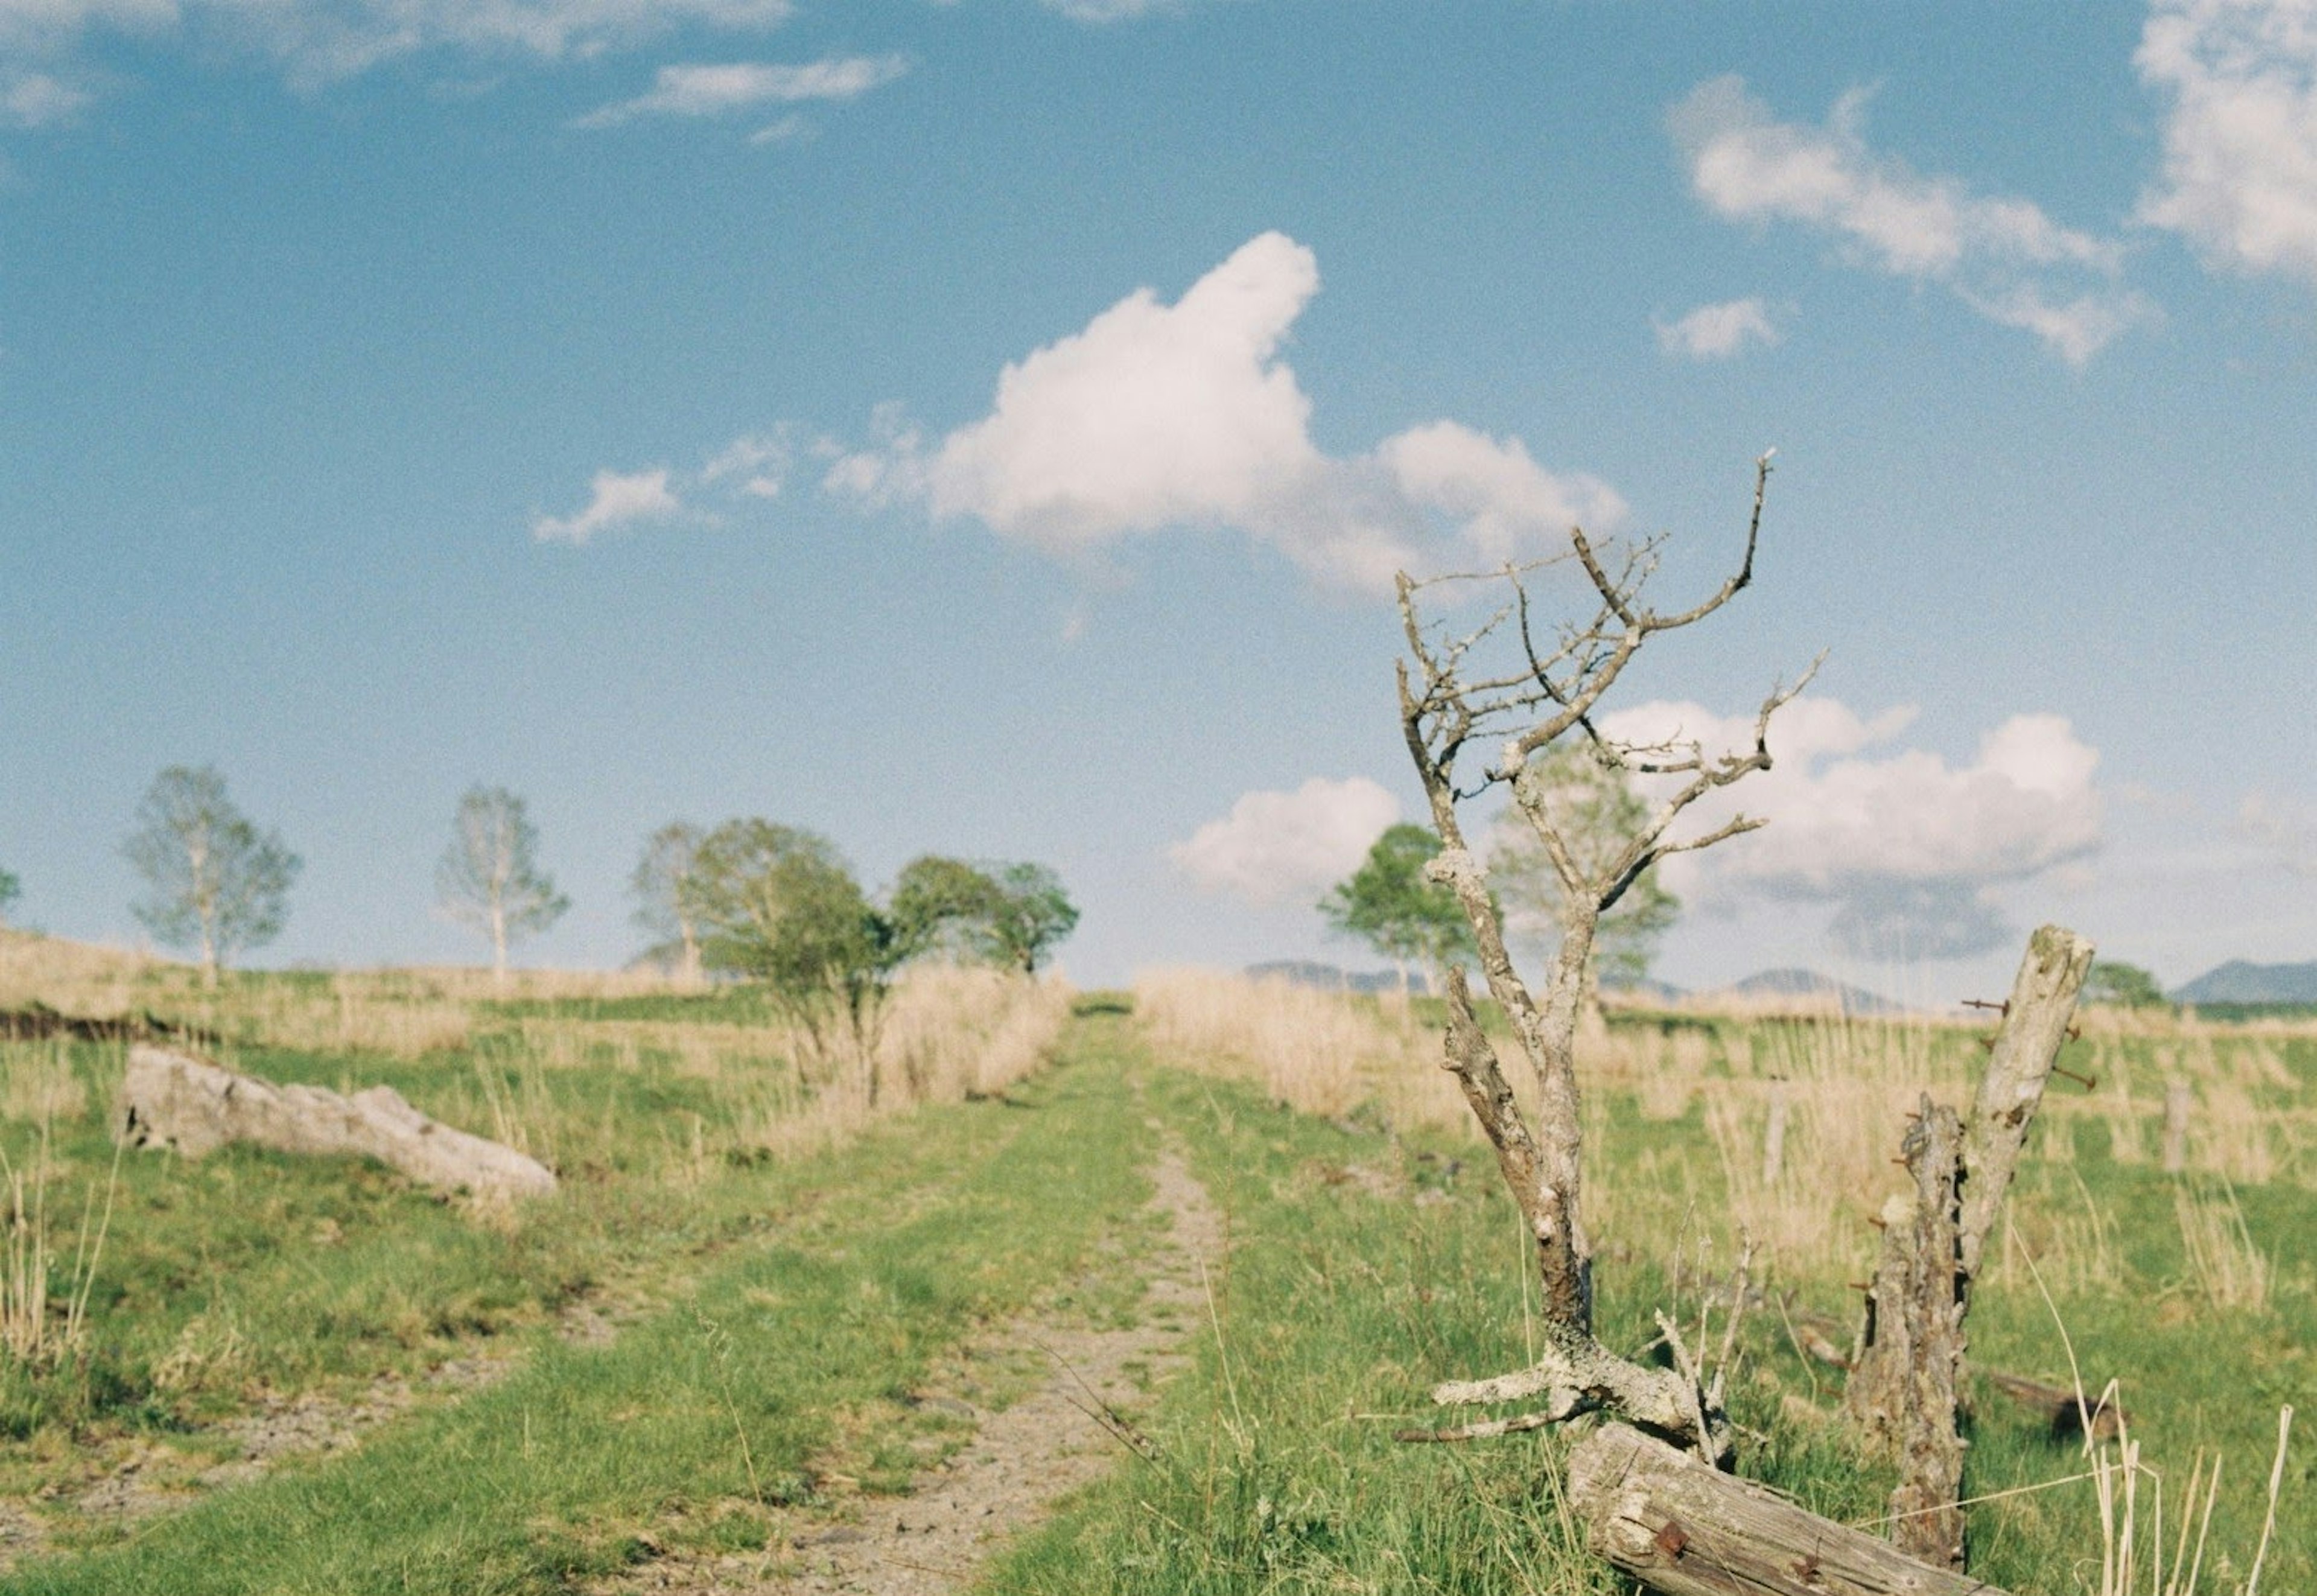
[988,428]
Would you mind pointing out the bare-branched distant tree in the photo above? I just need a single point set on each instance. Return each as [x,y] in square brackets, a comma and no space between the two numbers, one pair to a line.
[665,892]
[217,885]
[489,877]
[1508,692]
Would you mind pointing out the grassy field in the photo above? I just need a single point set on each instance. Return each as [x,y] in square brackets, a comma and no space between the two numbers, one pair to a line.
[713,1335]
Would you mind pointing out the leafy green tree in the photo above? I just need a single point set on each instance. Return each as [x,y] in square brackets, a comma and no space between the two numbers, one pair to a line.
[11,889]
[217,885]
[780,905]
[1029,915]
[1597,813]
[935,903]
[2126,986]
[490,878]
[662,886]
[1389,904]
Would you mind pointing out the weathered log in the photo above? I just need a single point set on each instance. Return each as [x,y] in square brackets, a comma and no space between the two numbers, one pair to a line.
[1686,1530]
[37,1022]
[2062,1407]
[191,1107]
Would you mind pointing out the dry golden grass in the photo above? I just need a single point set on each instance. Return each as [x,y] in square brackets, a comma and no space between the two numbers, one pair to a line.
[947,1033]
[1846,1086]
[1322,1053]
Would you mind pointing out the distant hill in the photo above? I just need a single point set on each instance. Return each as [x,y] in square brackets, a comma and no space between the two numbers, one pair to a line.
[1816,991]
[1644,992]
[2238,982]
[1331,978]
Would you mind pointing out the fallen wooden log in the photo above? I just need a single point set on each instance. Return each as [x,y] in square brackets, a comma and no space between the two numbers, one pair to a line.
[37,1022]
[2060,1406]
[191,1107]
[1686,1530]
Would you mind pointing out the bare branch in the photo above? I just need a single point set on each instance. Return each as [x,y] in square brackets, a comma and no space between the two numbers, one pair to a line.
[1486,1428]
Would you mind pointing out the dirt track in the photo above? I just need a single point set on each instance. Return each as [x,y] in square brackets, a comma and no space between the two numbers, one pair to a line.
[1062,1434]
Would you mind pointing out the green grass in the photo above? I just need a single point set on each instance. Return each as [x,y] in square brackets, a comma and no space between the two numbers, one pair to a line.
[1340,1307]
[795,1302]
[858,1270]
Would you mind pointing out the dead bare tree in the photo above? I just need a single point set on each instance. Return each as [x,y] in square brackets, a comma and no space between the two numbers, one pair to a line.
[1500,686]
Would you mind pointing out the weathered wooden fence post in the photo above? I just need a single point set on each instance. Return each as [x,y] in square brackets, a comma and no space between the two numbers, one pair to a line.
[1774,1135]
[2178,1098]
[1903,1388]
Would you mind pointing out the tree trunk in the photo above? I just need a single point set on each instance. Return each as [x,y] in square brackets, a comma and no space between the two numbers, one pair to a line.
[1686,1530]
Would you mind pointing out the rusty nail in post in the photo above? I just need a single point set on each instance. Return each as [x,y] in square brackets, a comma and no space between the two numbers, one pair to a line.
[2089,1083]
[1672,1538]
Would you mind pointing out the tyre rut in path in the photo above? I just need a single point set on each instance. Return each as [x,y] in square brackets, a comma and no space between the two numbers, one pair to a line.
[1054,1438]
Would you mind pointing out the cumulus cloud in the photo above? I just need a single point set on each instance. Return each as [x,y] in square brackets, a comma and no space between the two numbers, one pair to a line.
[615,499]
[1717,332]
[318,42]
[1907,848]
[35,100]
[1158,416]
[757,464]
[698,90]
[2003,256]
[1287,847]
[2284,830]
[2239,177]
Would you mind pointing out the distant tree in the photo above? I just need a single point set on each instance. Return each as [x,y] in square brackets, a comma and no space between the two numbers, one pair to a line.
[1388,903]
[780,905]
[489,877]
[1595,813]
[662,885]
[1029,916]
[11,889]
[2126,986]
[936,904]
[217,884]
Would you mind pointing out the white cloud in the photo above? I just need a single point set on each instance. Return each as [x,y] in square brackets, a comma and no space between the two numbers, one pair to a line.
[697,90]
[1716,331]
[615,499]
[757,464]
[319,42]
[2239,177]
[2003,256]
[1907,846]
[35,100]
[1285,847]
[2284,830]
[1158,415]
[1108,11]
[792,129]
